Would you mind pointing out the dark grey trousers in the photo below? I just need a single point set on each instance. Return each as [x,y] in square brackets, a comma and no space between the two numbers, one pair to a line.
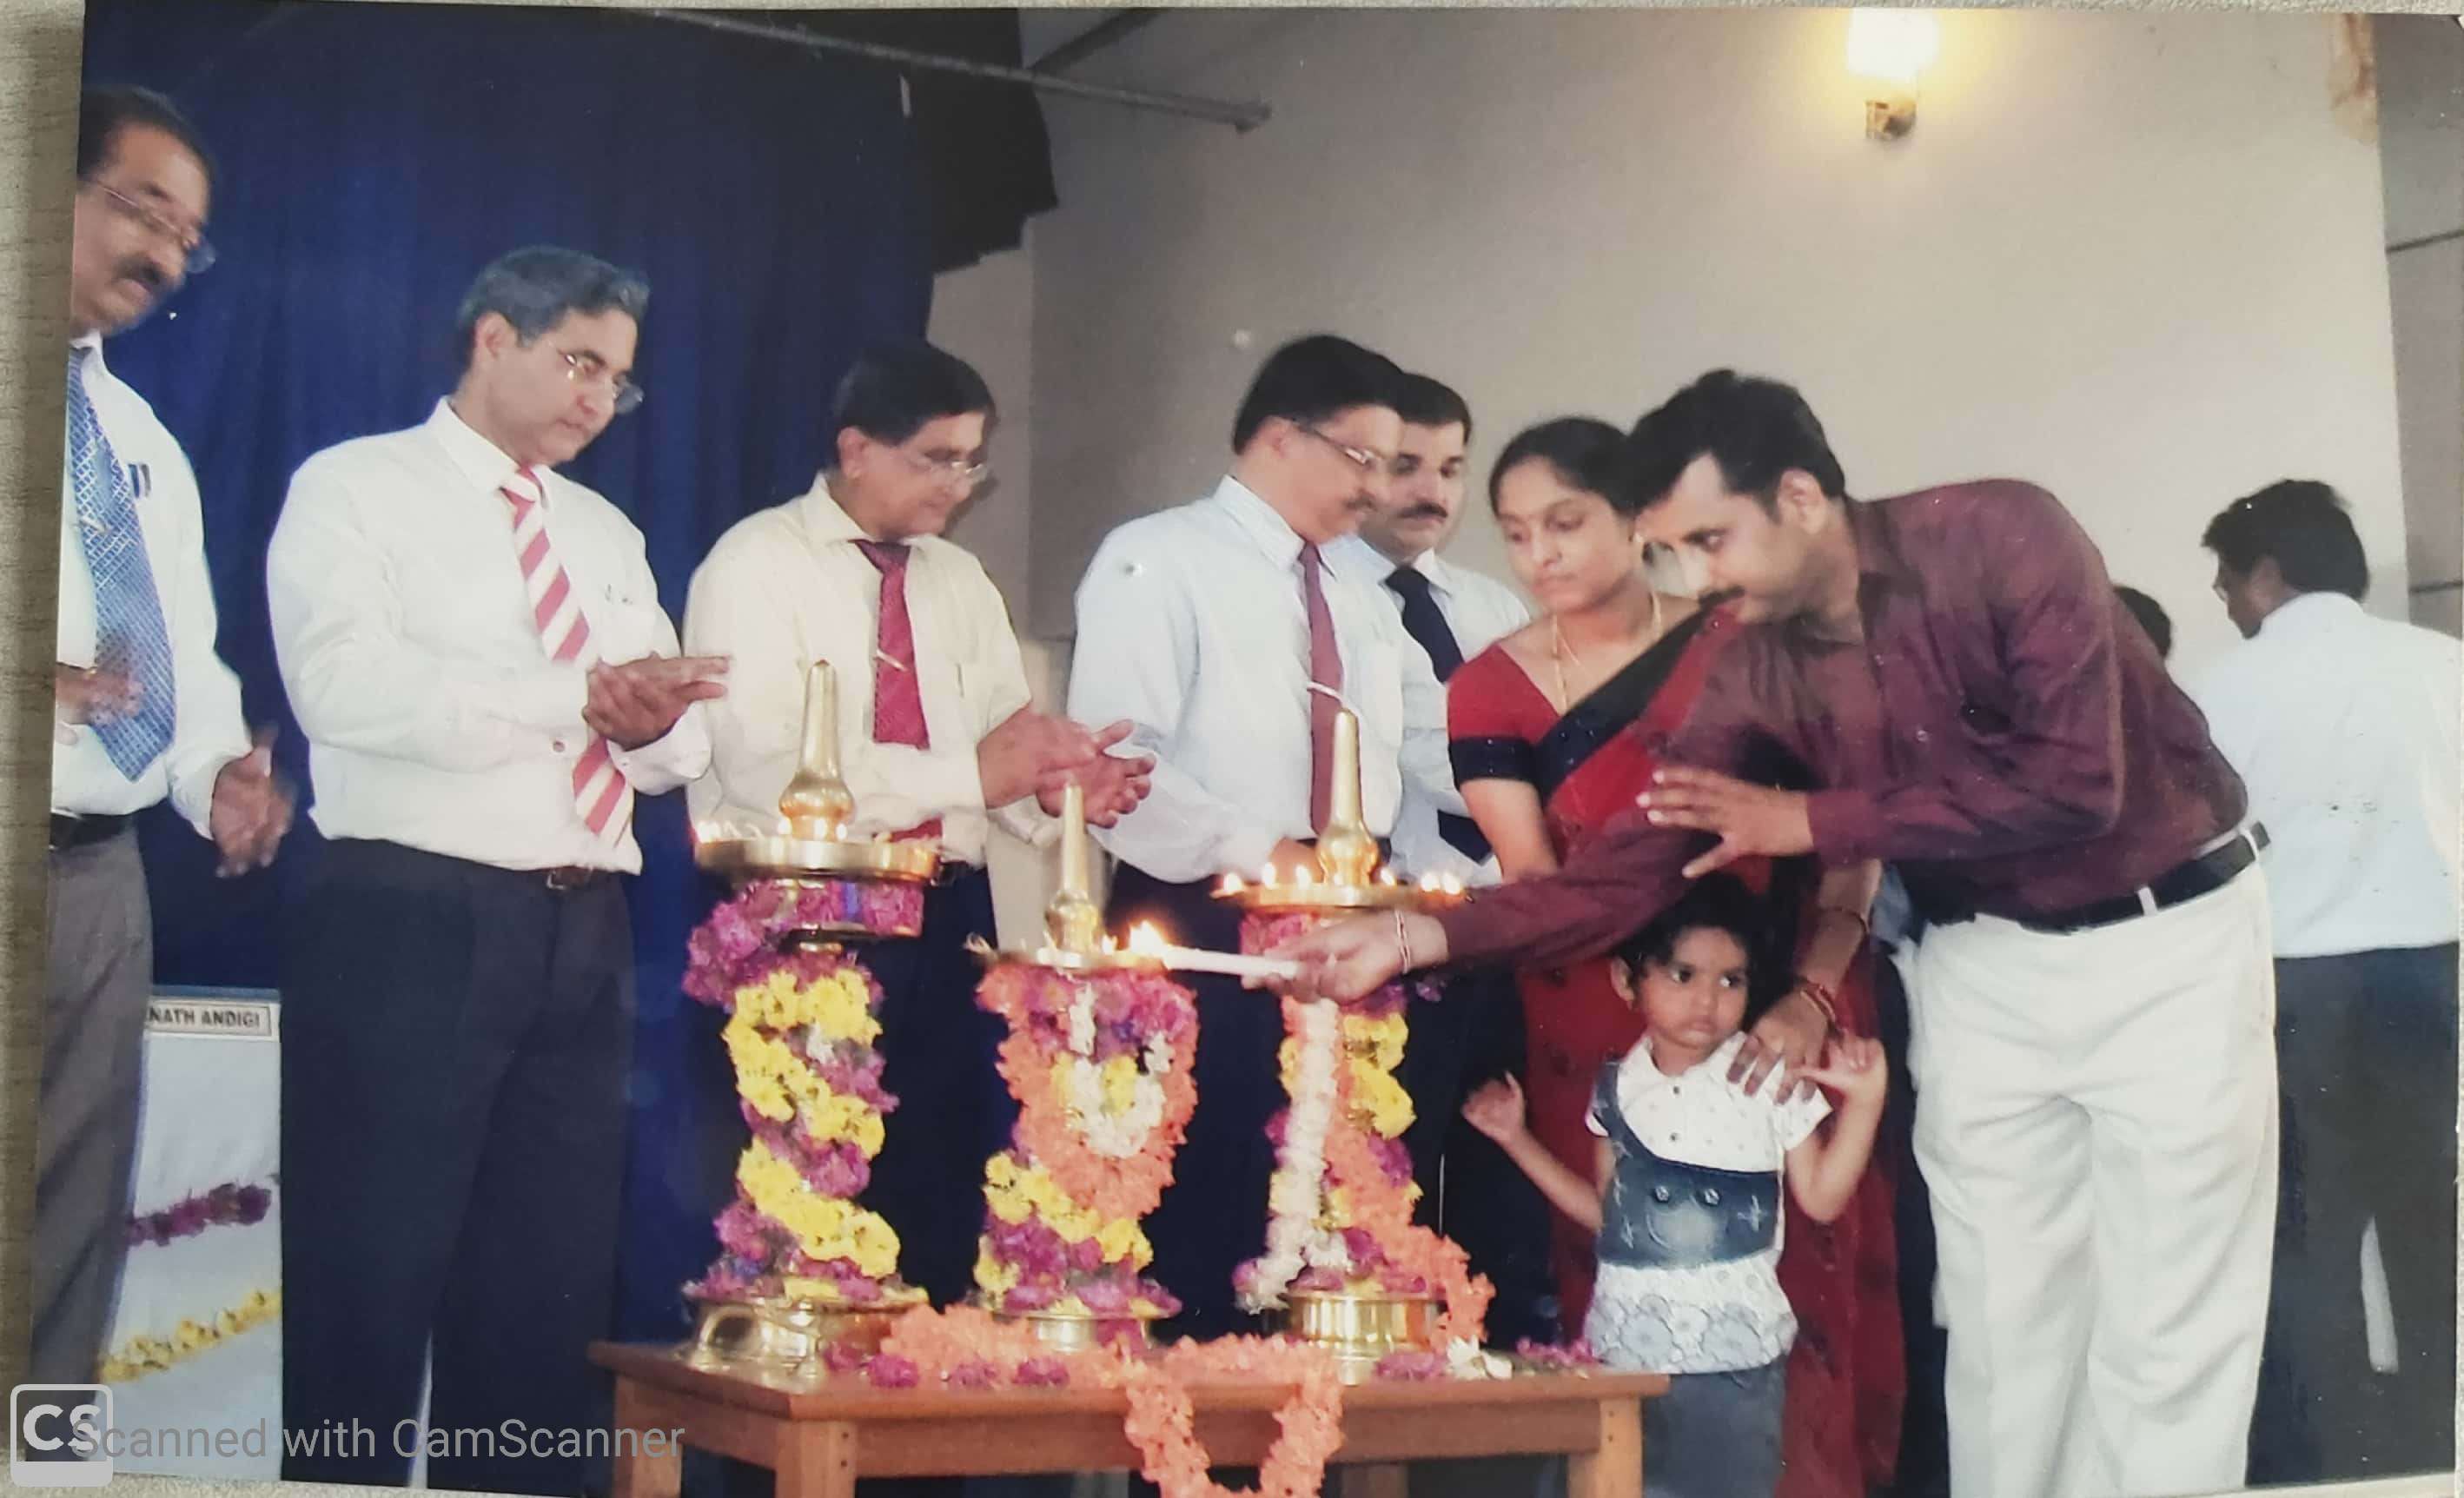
[2365,1055]
[102,973]
[1715,1435]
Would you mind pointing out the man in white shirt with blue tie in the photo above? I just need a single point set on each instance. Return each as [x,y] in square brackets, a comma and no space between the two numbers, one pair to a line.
[144,712]
[936,738]
[2344,728]
[474,646]
[1219,629]
[1469,1189]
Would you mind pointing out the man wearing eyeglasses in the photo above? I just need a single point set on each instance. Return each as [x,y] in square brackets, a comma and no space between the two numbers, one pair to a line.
[143,711]
[936,740]
[1222,631]
[474,646]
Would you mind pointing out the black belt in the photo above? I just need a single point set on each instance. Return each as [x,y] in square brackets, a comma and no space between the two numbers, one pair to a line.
[68,833]
[573,877]
[2185,881]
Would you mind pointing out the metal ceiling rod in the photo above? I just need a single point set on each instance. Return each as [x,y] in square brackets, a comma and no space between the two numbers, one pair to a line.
[1093,39]
[1240,117]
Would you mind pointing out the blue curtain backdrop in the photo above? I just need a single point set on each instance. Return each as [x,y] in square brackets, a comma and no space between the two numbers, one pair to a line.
[371,159]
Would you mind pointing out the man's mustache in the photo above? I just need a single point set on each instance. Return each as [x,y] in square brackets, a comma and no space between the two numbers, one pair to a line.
[1433,512]
[145,273]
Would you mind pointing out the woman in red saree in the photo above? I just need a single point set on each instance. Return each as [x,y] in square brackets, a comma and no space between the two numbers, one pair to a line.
[1556,729]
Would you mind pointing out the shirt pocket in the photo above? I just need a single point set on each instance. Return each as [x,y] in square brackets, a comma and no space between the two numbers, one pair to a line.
[1378,697]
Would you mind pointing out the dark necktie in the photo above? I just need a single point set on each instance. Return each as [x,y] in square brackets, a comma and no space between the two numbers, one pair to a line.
[1426,623]
[897,699]
[1326,670]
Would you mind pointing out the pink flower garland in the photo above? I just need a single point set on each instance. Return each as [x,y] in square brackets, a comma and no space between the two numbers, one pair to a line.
[763,914]
[229,1204]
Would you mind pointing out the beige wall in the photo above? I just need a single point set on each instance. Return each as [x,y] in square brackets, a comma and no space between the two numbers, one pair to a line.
[2130,256]
[984,314]
[2421,125]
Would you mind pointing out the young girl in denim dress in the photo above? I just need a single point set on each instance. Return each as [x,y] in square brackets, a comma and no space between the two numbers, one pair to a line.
[1685,1195]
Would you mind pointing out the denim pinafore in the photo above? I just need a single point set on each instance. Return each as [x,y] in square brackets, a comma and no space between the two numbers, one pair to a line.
[1664,1214]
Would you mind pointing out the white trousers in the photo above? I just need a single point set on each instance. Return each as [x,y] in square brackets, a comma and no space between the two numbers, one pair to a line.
[2095,1121]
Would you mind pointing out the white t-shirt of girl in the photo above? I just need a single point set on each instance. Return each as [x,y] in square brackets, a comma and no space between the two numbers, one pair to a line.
[1711,1317]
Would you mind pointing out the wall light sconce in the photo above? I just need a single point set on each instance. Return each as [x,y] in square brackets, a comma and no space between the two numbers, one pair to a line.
[1891,50]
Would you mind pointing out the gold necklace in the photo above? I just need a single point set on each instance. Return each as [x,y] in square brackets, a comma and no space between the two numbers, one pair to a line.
[1560,653]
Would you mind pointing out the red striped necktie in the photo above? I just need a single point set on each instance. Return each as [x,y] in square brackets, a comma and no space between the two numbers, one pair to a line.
[601,793]
[897,697]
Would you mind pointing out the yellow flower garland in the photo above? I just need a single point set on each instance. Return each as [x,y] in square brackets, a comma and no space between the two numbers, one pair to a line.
[1016,1193]
[825,1227]
[140,1356]
[838,1004]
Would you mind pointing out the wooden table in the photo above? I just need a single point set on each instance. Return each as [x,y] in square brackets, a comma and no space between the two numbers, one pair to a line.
[819,1439]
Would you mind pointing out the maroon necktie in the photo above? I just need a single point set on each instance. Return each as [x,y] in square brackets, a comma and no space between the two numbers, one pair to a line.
[1326,670]
[897,699]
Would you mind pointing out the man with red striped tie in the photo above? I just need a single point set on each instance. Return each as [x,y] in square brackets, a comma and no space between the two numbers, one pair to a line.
[475,647]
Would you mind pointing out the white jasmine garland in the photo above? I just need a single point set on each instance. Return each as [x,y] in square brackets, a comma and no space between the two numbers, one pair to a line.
[1297,1192]
[1113,1135]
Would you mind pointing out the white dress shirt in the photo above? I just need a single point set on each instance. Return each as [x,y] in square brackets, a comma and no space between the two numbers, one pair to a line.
[1480,611]
[434,718]
[207,730]
[2343,726]
[788,586]
[1191,625]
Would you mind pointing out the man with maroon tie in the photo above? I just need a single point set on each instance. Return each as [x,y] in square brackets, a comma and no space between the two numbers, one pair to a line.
[936,738]
[475,647]
[1222,630]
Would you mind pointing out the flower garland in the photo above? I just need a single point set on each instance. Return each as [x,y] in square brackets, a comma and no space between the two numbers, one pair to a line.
[1162,1419]
[1339,1206]
[757,920]
[965,1348]
[228,1204]
[140,1356]
[1101,1067]
[800,1031]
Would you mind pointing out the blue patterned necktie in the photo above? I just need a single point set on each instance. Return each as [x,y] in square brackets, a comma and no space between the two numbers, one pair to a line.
[128,632]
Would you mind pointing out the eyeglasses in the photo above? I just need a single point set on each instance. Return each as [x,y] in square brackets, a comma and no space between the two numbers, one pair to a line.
[1365,459]
[192,243]
[955,471]
[589,369]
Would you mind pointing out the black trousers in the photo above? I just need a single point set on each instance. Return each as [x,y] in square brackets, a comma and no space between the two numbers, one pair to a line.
[939,1054]
[2366,1057]
[454,1053]
[1469,1190]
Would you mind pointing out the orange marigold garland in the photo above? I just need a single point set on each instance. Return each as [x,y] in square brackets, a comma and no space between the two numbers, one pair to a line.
[962,1347]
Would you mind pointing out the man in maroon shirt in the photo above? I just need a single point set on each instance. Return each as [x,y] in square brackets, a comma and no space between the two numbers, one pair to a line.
[1946,681]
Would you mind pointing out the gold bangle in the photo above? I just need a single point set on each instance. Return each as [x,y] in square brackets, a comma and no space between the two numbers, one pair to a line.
[1822,998]
[1862,924]
[1403,941]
